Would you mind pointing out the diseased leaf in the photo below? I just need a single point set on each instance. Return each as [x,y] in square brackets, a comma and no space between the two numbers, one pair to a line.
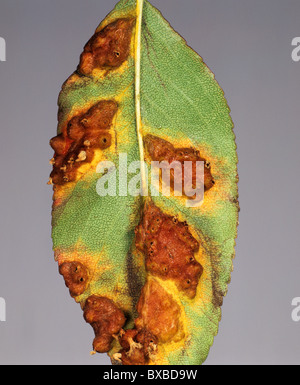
[150,272]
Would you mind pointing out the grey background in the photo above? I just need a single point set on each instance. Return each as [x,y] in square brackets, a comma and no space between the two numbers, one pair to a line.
[247,44]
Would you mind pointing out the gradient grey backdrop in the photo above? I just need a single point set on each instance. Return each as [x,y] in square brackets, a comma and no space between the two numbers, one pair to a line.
[247,44]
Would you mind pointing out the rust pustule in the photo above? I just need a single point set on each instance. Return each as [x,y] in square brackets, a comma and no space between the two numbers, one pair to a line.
[99,116]
[169,249]
[106,319]
[137,346]
[76,144]
[161,150]
[75,275]
[59,144]
[108,48]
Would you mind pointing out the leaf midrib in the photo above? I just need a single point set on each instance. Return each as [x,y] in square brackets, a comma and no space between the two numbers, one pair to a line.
[137,47]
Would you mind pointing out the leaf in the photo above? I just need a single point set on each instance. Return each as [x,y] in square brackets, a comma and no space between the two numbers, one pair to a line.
[149,272]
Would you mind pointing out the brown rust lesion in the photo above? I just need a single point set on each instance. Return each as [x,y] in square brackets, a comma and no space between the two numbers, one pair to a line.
[76,277]
[169,249]
[107,48]
[76,145]
[161,150]
[105,318]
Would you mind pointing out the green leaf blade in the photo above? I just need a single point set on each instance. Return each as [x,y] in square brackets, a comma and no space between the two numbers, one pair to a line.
[178,100]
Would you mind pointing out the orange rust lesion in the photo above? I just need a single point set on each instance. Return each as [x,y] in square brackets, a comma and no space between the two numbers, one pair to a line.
[75,275]
[106,320]
[107,48]
[159,313]
[76,145]
[161,150]
[159,322]
[169,249]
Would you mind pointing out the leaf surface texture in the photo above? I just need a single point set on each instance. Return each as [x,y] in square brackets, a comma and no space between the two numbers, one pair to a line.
[149,272]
